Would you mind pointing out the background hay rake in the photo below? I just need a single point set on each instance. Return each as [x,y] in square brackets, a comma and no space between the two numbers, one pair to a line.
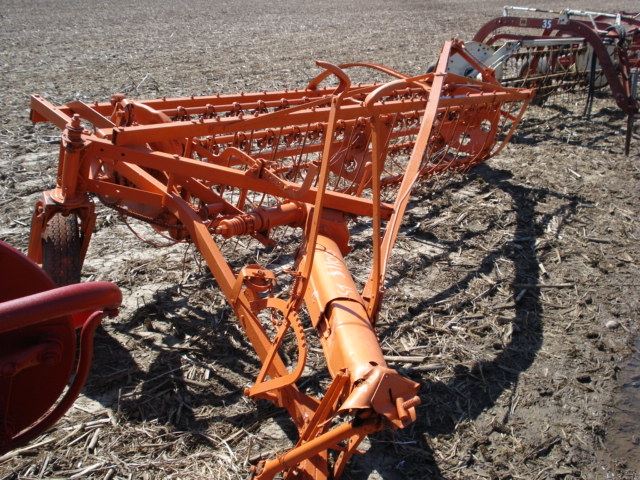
[562,51]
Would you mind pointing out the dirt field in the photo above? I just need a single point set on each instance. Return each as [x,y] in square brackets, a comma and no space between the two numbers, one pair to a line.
[518,282]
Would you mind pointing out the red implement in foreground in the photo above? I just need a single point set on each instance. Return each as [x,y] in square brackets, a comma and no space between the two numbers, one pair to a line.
[40,329]
[289,169]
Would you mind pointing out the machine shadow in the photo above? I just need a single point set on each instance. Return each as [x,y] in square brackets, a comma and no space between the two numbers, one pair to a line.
[175,337]
[557,121]
[471,390]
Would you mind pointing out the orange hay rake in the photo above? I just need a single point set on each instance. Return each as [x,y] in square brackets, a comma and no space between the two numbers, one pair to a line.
[289,170]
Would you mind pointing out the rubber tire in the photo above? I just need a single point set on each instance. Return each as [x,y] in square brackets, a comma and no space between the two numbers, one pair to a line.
[61,246]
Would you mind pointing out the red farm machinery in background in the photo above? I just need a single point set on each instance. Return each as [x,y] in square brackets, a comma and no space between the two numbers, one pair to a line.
[553,52]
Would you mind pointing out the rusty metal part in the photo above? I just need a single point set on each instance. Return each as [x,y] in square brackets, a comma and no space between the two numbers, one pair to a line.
[292,167]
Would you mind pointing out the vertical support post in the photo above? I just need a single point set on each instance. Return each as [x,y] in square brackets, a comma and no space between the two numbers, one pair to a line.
[634,77]
[70,152]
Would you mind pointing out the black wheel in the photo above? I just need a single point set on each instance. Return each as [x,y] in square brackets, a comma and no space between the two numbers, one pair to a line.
[61,246]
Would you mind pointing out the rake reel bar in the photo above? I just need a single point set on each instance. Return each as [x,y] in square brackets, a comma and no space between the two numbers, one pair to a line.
[288,171]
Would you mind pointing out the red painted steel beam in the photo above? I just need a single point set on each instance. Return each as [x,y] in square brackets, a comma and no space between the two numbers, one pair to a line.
[58,302]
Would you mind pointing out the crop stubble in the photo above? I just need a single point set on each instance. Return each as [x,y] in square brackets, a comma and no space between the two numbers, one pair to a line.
[512,297]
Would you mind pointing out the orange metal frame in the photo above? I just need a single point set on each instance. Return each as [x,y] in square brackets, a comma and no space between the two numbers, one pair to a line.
[207,169]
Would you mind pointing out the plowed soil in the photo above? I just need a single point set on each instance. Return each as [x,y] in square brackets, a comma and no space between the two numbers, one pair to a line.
[517,283]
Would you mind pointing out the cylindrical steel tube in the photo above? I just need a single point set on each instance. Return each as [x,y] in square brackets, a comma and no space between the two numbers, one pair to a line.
[337,310]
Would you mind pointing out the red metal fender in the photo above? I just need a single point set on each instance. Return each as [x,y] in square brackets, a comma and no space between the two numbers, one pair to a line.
[39,327]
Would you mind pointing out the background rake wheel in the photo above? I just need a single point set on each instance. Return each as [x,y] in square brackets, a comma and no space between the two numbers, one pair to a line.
[61,245]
